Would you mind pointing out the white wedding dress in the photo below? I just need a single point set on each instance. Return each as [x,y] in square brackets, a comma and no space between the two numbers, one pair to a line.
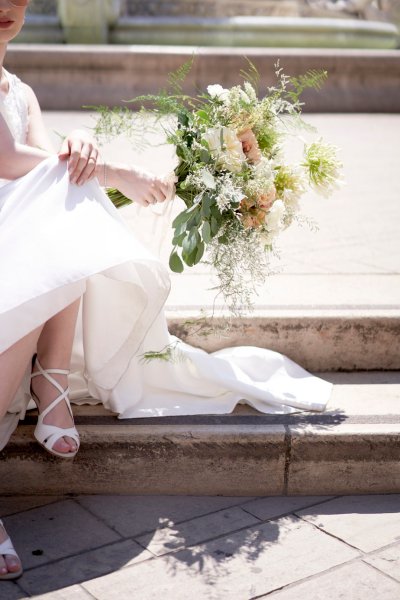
[60,241]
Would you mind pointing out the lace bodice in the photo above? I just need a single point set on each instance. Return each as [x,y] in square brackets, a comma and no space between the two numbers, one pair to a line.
[15,107]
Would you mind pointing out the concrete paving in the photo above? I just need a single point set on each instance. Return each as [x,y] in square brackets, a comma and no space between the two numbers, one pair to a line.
[206,548]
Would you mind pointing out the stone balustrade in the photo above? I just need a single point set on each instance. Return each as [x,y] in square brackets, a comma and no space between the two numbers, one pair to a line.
[251,23]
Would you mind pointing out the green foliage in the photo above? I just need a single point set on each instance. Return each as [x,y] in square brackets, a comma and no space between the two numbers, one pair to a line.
[167,354]
[311,79]
[117,198]
[176,78]
[251,75]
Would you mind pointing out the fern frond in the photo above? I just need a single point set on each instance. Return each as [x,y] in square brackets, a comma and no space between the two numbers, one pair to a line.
[311,79]
[176,78]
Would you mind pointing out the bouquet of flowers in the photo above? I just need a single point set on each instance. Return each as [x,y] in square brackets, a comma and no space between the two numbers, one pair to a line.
[239,190]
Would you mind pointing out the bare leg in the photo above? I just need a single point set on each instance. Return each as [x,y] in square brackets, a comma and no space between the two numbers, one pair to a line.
[53,342]
[13,363]
[54,349]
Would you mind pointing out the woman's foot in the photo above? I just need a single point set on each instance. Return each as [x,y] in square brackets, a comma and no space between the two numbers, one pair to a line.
[10,565]
[45,393]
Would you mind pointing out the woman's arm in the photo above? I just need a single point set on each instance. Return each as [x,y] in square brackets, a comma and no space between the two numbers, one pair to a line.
[16,159]
[79,148]
[135,183]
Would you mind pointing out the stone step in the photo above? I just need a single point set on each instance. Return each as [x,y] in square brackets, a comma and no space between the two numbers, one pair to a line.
[318,339]
[359,80]
[352,448]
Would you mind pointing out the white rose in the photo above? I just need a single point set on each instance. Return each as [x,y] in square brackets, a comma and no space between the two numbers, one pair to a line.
[217,91]
[274,218]
[225,148]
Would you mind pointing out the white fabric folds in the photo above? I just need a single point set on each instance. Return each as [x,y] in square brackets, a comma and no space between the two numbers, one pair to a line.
[59,241]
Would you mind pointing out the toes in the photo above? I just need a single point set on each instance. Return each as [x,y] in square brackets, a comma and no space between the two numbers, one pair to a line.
[62,446]
[13,564]
[3,566]
[65,445]
[9,564]
[72,444]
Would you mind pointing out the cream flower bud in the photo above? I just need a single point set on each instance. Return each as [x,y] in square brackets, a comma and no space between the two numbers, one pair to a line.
[217,91]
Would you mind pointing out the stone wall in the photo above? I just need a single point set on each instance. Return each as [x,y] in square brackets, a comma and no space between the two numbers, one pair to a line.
[212,8]
[42,7]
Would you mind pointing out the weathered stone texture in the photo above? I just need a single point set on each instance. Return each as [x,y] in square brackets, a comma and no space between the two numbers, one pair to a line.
[212,8]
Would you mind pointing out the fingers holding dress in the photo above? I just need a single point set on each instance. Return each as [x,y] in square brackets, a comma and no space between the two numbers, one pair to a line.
[82,154]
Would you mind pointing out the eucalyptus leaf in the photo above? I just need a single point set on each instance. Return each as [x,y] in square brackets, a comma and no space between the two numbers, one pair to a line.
[206,232]
[190,257]
[175,263]
[200,252]
[190,241]
[214,226]
[178,239]
[183,217]
[205,156]
[206,205]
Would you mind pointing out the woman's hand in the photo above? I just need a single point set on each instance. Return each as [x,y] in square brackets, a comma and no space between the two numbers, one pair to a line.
[81,151]
[141,186]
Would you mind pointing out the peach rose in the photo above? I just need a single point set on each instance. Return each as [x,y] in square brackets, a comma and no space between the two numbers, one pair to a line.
[265,201]
[251,217]
[250,146]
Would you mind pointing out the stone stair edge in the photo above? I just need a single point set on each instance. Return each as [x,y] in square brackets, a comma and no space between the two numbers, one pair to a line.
[349,448]
[237,460]
[360,81]
[102,50]
[298,312]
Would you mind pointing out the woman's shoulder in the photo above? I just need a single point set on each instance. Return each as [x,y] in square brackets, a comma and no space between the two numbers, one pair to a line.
[15,82]
[12,78]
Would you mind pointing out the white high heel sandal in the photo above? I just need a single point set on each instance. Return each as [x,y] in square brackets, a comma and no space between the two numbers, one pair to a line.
[7,547]
[48,435]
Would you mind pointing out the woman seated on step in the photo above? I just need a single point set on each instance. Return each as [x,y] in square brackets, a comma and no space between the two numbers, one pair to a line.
[74,276]
[24,144]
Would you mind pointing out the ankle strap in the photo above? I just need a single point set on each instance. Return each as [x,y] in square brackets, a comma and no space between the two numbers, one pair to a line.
[43,372]
[63,392]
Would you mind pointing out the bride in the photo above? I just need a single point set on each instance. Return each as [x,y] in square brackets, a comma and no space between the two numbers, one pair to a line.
[81,299]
